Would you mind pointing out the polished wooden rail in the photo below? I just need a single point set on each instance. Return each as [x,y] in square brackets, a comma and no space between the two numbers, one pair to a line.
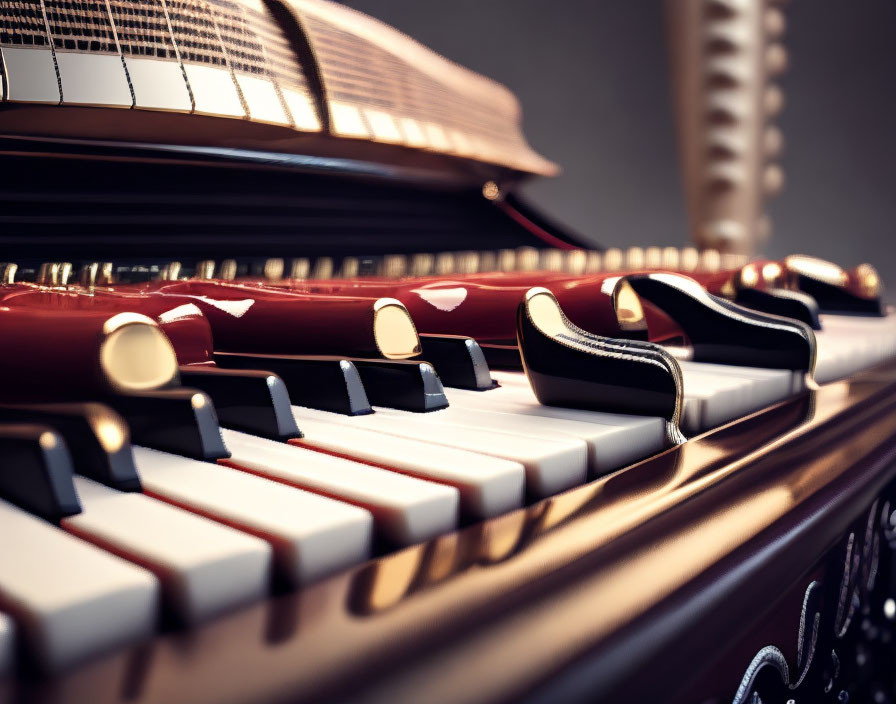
[588,590]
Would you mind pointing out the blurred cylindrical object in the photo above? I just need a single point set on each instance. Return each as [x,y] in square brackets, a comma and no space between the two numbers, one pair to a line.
[724,55]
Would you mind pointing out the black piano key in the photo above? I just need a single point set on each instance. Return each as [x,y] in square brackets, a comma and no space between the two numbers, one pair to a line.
[97,437]
[36,471]
[837,299]
[181,421]
[790,304]
[325,383]
[251,400]
[459,361]
[402,384]
[726,333]
[571,368]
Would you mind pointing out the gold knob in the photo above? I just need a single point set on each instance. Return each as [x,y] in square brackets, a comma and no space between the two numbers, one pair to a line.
[323,268]
[299,269]
[169,272]
[205,269]
[227,270]
[422,264]
[8,272]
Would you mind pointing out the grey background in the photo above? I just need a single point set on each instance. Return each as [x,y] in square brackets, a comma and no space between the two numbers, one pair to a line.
[592,78]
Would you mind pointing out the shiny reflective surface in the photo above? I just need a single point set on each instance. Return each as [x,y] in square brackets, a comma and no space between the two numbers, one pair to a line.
[628,542]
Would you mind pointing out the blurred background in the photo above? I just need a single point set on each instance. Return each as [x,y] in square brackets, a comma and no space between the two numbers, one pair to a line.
[592,76]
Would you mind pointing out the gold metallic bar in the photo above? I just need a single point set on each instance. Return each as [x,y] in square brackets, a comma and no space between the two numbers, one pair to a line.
[299,269]
[422,264]
[444,263]
[227,270]
[323,268]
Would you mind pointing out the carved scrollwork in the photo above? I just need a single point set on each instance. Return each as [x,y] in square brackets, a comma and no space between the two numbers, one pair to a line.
[845,643]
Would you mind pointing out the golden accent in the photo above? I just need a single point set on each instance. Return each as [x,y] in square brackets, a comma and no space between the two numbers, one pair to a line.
[466,263]
[393,329]
[550,260]
[653,258]
[613,259]
[690,259]
[299,269]
[444,264]
[671,259]
[205,269]
[109,428]
[273,269]
[749,276]
[65,273]
[772,274]
[350,268]
[136,355]
[629,313]
[323,268]
[422,264]
[48,440]
[89,274]
[391,577]
[634,258]
[576,262]
[491,191]
[506,260]
[868,281]
[815,268]
[526,259]
[8,272]
[488,261]
[227,270]
[710,260]
[593,262]
[395,266]
[199,400]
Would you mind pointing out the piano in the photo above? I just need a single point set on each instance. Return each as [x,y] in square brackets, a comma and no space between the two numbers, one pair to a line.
[303,402]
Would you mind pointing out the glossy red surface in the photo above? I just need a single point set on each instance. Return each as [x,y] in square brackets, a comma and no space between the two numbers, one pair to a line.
[181,320]
[481,306]
[50,355]
[252,319]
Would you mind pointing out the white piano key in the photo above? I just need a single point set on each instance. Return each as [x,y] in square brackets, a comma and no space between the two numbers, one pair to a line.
[488,486]
[312,536]
[30,75]
[551,465]
[613,441]
[709,400]
[406,510]
[93,79]
[847,344]
[158,85]
[7,644]
[70,600]
[214,92]
[204,568]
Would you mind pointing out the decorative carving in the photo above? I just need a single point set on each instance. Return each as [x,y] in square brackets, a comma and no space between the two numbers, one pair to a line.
[846,632]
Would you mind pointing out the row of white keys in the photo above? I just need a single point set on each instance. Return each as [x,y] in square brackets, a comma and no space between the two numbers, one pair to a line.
[406,509]
[713,393]
[204,568]
[488,486]
[847,344]
[614,440]
[312,536]
[7,644]
[70,599]
[717,393]
[551,465]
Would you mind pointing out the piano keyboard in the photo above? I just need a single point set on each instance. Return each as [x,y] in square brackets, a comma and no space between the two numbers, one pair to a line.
[204,538]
